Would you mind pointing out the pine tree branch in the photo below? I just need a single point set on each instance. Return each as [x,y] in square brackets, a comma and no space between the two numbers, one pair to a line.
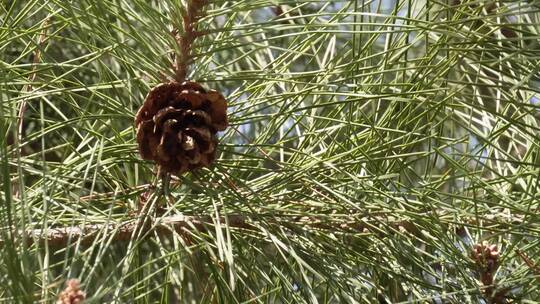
[165,226]
[183,224]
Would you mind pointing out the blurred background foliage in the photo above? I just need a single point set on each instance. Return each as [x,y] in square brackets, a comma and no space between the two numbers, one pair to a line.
[372,144]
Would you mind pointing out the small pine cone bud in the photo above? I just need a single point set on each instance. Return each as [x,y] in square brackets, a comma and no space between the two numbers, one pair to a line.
[72,294]
[177,126]
[486,255]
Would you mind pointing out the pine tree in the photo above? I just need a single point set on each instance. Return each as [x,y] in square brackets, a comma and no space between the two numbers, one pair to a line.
[382,151]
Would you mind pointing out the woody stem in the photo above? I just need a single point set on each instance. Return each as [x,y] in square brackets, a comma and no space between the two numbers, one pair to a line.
[185,40]
[165,184]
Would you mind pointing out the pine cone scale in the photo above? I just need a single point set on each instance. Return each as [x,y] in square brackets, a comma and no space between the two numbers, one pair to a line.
[202,137]
[218,110]
[146,139]
[198,117]
[194,156]
[166,114]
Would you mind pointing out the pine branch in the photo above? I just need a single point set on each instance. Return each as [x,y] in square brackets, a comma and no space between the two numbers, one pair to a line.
[183,224]
[63,236]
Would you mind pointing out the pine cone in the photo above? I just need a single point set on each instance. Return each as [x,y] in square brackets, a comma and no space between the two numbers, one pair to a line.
[177,125]
[486,257]
[72,294]
[486,254]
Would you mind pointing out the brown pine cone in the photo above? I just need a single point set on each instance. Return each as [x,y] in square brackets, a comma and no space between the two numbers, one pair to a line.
[177,125]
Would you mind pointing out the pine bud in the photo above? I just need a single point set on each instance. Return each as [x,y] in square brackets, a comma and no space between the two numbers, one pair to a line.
[72,294]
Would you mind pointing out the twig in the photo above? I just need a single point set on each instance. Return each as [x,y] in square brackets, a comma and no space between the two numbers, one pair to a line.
[529,263]
[183,224]
[185,40]
[61,237]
